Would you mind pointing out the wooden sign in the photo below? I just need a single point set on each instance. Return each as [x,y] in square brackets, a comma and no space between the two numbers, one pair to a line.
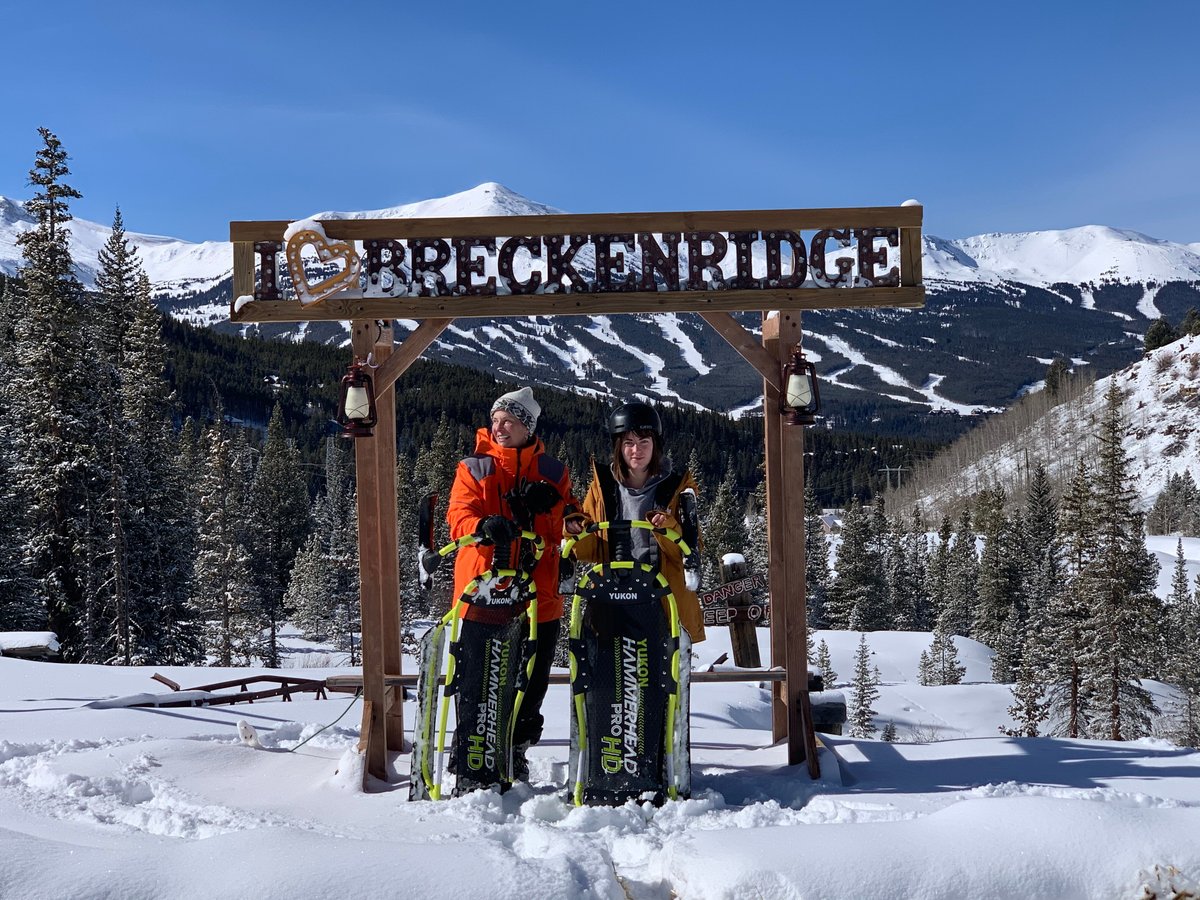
[754,613]
[591,264]
[722,593]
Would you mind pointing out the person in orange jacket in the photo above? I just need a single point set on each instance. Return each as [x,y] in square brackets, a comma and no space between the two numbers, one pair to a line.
[641,483]
[509,484]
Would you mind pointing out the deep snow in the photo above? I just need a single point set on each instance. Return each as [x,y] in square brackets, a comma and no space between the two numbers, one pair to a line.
[171,803]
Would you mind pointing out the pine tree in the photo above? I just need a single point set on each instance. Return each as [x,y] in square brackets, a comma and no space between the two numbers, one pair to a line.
[433,472]
[864,691]
[998,585]
[816,559]
[939,664]
[962,580]
[1042,571]
[1065,645]
[853,599]
[1182,639]
[1159,334]
[21,606]
[278,520]
[889,732]
[414,602]
[53,469]
[1124,575]
[825,664]
[323,588]
[724,525]
[907,562]
[937,574]
[1029,708]
[221,583]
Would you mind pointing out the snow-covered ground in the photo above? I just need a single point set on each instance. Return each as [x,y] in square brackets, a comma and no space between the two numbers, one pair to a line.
[170,803]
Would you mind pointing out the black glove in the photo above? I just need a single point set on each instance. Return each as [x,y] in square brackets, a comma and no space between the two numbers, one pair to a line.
[541,497]
[498,530]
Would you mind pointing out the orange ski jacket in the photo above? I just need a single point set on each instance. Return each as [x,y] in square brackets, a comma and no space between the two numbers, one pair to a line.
[481,484]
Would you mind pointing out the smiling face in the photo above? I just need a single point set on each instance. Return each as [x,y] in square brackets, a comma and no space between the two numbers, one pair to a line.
[507,430]
[637,452]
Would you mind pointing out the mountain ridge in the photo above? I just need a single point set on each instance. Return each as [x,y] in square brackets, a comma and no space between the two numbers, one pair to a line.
[999,308]
[1085,253]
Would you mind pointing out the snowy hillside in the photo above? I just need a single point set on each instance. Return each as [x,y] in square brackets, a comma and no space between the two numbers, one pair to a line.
[169,803]
[1162,438]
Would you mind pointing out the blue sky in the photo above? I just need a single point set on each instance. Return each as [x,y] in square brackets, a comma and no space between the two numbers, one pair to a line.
[999,117]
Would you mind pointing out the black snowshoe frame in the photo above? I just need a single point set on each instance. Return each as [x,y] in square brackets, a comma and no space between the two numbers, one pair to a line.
[496,686]
[625,657]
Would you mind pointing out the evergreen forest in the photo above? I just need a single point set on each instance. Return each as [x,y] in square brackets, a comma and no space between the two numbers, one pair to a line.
[174,495]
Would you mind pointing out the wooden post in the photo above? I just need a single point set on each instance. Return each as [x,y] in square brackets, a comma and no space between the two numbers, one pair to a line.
[776,573]
[389,572]
[785,511]
[743,633]
[367,456]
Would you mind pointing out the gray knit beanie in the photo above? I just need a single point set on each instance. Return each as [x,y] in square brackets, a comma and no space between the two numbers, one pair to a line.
[521,406]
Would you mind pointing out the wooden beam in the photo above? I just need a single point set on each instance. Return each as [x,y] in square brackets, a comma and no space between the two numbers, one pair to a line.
[243,269]
[594,223]
[409,352]
[371,564]
[389,571]
[352,683]
[910,256]
[776,535]
[746,344]
[791,458]
[351,306]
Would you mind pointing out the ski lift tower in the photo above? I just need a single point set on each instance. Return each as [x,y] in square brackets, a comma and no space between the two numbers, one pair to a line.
[776,262]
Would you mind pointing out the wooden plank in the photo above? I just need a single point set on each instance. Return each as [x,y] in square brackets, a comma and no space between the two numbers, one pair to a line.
[810,736]
[747,346]
[243,272]
[593,223]
[776,535]
[389,571]
[791,459]
[910,256]
[343,306]
[743,635]
[352,683]
[370,577]
[409,352]
[364,731]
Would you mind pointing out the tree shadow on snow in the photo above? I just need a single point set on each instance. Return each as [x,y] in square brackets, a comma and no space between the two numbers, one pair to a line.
[882,767]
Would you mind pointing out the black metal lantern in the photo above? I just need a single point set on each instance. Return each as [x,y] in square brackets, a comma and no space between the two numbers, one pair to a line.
[356,403]
[801,396]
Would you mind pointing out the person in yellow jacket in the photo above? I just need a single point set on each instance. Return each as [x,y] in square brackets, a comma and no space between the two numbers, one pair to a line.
[641,483]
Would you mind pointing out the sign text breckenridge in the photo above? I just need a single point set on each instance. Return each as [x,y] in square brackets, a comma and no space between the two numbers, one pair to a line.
[609,263]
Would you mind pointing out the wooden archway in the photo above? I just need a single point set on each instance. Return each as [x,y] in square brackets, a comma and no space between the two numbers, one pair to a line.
[861,273]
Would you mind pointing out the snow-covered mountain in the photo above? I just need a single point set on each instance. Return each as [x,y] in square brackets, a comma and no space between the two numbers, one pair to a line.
[999,308]
[1092,254]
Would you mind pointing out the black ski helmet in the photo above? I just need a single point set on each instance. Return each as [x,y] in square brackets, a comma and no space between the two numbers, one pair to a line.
[634,417]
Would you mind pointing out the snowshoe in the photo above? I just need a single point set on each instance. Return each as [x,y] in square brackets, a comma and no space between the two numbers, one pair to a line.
[486,671]
[629,664]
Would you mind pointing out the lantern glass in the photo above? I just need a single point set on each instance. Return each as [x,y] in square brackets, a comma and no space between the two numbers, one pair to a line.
[358,403]
[799,390]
